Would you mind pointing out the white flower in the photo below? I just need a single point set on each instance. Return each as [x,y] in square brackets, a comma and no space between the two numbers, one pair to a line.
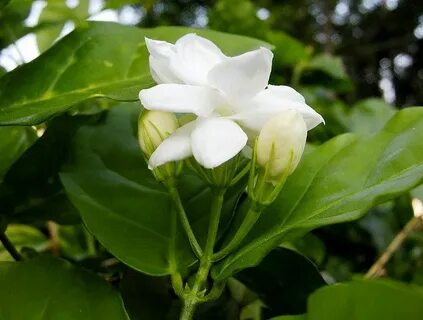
[229,95]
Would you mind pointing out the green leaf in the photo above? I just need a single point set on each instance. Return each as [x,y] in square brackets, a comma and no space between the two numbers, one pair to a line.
[288,51]
[100,60]
[283,281]
[50,288]
[328,64]
[368,116]
[338,181]
[367,300]
[31,190]
[122,204]
[147,297]
[23,236]
[13,142]
[418,192]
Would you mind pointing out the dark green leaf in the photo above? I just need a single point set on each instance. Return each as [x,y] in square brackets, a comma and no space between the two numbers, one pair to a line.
[338,181]
[101,60]
[13,142]
[283,281]
[49,288]
[122,204]
[31,190]
[147,297]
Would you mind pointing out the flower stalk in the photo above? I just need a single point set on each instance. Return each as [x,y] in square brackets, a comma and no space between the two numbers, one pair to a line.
[174,194]
[251,217]
[196,294]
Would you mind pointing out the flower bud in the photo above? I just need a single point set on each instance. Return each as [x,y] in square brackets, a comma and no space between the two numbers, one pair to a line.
[153,128]
[281,143]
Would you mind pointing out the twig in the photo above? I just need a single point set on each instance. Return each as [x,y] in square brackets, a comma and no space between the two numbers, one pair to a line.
[378,267]
[9,247]
[54,242]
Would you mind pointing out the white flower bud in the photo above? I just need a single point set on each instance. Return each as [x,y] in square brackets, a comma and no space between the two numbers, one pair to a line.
[281,143]
[153,128]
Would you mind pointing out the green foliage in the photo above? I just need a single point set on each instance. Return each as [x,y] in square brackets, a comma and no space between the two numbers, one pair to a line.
[101,60]
[53,289]
[31,190]
[137,224]
[53,18]
[338,182]
[13,142]
[364,300]
[24,236]
[87,174]
[280,270]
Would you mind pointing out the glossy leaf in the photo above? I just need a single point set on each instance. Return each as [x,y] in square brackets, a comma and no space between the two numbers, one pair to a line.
[283,280]
[122,204]
[338,181]
[50,288]
[101,60]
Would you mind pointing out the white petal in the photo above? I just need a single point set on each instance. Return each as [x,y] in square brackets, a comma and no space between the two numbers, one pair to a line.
[216,140]
[160,71]
[272,101]
[176,147]
[180,98]
[159,49]
[195,57]
[160,54]
[282,92]
[242,77]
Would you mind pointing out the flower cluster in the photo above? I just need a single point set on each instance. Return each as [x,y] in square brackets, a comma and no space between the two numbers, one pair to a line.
[230,102]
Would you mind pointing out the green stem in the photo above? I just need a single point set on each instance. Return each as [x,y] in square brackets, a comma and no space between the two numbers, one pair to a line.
[250,219]
[9,247]
[196,294]
[173,191]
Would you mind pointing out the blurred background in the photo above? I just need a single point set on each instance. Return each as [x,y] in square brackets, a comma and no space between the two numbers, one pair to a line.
[356,62]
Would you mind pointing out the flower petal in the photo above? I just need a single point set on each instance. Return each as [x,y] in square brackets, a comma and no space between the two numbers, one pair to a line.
[180,98]
[243,76]
[274,100]
[195,57]
[216,140]
[160,54]
[176,147]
